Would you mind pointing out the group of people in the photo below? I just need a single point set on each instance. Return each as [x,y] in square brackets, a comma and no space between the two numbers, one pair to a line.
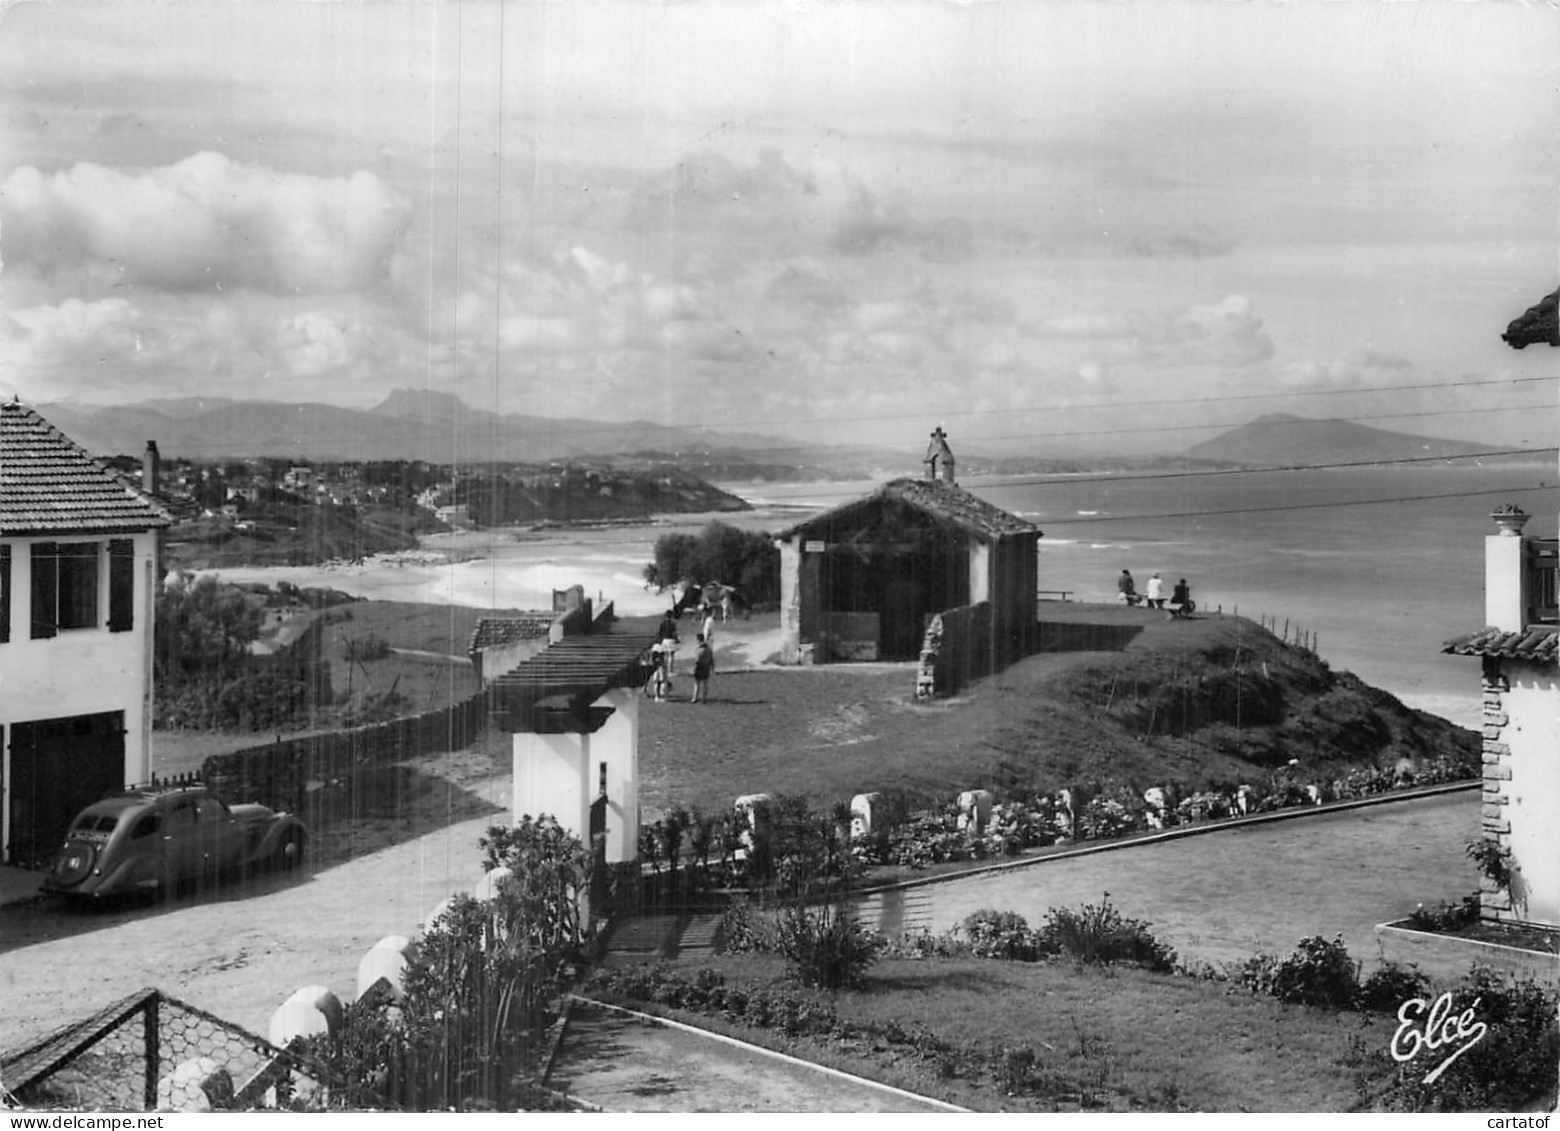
[1178,604]
[663,657]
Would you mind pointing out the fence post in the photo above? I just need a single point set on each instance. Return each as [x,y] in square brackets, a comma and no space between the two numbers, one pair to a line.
[153,1052]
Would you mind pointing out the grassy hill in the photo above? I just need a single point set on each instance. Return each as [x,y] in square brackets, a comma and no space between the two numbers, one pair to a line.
[1118,697]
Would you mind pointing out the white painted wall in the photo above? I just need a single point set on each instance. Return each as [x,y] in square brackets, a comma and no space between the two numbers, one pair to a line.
[84,670]
[1533,737]
[560,774]
[980,572]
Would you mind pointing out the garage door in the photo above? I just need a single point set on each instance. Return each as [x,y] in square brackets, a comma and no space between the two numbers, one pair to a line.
[58,766]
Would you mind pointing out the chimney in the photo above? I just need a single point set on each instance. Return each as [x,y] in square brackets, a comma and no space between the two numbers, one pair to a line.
[151,469]
[939,457]
[1505,572]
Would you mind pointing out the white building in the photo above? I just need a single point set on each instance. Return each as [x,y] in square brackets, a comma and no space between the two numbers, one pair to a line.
[1521,719]
[78,564]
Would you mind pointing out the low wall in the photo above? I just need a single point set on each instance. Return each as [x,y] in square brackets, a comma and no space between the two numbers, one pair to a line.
[956,650]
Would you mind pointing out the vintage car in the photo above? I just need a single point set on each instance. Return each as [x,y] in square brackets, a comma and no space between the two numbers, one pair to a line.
[153,839]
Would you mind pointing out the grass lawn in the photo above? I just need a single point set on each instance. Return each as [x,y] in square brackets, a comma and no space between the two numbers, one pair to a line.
[1090,706]
[1113,1038]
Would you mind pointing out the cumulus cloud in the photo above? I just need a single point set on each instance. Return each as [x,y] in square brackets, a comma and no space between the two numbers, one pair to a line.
[203,222]
[789,209]
[1358,370]
[1224,333]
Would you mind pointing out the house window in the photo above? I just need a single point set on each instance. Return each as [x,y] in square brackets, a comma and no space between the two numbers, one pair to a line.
[64,587]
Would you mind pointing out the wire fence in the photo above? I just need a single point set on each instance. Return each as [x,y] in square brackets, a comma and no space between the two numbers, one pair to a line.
[152,1052]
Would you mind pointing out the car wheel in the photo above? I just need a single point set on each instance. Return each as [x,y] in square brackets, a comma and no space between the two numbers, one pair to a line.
[289,853]
[74,863]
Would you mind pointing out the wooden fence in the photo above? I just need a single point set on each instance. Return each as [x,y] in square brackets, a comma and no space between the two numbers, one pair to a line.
[326,777]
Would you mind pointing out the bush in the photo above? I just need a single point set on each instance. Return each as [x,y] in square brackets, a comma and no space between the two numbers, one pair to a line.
[1447,917]
[1000,934]
[1099,934]
[1389,986]
[1508,1069]
[1318,972]
[1493,861]
[826,945]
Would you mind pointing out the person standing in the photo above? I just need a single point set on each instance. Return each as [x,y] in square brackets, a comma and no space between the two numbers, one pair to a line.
[703,668]
[708,628]
[667,635]
[655,686]
[1156,593]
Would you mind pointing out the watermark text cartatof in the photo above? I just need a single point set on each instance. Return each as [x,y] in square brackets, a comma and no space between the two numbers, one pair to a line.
[1423,1027]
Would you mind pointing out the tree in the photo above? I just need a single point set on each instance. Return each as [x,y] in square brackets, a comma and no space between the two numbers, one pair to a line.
[203,626]
[746,559]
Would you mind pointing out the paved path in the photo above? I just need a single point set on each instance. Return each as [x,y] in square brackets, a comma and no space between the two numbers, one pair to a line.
[1231,892]
[625,1062]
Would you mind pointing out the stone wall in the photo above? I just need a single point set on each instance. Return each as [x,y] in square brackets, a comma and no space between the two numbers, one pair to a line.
[957,649]
[1495,901]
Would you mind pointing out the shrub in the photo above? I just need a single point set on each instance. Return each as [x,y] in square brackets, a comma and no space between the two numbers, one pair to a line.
[826,945]
[1389,986]
[742,930]
[1099,934]
[1493,861]
[1447,917]
[1000,934]
[1318,972]
[1509,1068]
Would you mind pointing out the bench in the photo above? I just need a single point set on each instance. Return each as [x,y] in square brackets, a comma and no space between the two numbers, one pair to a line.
[1054,594]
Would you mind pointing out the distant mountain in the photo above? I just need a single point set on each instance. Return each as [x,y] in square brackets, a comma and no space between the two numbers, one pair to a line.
[1285,439]
[408,424]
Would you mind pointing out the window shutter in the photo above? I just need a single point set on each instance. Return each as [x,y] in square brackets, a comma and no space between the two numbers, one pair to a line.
[45,589]
[5,594]
[121,584]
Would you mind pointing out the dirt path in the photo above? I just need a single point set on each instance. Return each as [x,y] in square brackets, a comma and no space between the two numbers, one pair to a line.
[238,952]
[621,1062]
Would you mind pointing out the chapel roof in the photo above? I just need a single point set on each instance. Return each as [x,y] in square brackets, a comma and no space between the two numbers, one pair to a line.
[947,502]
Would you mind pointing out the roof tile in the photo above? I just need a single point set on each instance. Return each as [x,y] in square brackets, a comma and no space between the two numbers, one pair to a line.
[50,485]
[946,501]
[1536,644]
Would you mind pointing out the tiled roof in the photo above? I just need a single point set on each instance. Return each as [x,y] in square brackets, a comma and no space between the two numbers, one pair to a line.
[49,485]
[946,501]
[1536,645]
[578,669]
[495,632]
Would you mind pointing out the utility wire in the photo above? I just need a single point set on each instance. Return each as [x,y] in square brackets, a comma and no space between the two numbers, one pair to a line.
[1281,507]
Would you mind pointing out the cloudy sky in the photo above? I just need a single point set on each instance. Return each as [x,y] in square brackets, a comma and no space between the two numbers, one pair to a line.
[1046,225]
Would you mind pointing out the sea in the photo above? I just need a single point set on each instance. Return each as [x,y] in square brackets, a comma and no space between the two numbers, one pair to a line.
[1376,567]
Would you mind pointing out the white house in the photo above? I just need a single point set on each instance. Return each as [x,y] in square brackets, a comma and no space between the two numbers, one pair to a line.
[78,564]
[1521,683]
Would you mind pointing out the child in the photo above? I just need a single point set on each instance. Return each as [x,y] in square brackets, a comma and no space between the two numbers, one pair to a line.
[703,666]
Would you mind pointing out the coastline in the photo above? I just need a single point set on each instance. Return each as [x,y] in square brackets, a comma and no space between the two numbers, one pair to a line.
[521,567]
